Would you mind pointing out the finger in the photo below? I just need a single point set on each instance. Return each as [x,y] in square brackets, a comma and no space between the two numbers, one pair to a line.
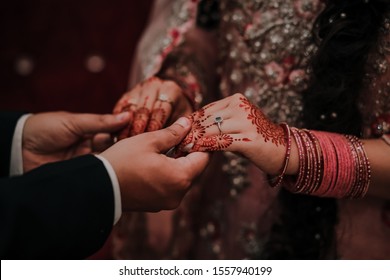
[167,98]
[198,130]
[206,117]
[214,108]
[159,115]
[221,142]
[125,132]
[226,125]
[101,142]
[130,97]
[172,135]
[82,148]
[128,103]
[85,124]
[181,105]
[208,126]
[145,105]
[193,164]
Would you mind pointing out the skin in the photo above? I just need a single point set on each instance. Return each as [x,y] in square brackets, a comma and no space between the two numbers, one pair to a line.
[144,172]
[56,136]
[147,112]
[247,131]
[147,181]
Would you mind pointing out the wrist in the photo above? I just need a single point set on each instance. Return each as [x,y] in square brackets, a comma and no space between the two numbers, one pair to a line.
[293,164]
[277,181]
[188,84]
[183,67]
[330,165]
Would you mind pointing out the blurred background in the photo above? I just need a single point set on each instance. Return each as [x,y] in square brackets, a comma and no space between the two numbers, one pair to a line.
[68,55]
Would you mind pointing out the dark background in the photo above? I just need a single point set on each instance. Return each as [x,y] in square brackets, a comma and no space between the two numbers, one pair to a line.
[68,55]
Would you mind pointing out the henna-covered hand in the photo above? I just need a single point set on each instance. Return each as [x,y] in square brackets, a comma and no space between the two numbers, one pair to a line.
[244,129]
[153,104]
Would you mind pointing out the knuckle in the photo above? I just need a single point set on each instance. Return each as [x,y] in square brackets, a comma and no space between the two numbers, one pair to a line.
[238,96]
[183,182]
[173,131]
[170,84]
[172,203]
[126,96]
[237,99]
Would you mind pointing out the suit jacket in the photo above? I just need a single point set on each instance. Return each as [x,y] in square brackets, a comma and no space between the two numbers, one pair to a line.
[62,210]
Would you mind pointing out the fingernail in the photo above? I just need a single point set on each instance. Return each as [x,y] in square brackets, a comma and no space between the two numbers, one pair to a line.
[187,148]
[184,122]
[122,116]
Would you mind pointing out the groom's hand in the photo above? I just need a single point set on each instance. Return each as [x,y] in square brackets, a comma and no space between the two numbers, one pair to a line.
[149,180]
[49,137]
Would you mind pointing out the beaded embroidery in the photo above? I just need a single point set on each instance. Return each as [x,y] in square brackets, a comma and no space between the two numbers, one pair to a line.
[264,47]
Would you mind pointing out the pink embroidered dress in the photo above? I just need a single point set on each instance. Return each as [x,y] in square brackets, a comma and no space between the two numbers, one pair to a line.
[262,50]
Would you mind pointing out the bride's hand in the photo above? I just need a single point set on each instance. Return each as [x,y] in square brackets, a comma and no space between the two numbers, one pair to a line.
[153,104]
[234,124]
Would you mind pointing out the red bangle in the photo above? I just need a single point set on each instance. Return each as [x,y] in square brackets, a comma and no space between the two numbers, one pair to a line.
[276,182]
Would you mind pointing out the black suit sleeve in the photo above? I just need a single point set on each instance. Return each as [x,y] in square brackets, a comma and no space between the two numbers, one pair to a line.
[62,210]
[8,122]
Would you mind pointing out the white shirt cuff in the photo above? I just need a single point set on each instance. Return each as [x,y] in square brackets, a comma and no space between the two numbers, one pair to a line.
[16,164]
[115,188]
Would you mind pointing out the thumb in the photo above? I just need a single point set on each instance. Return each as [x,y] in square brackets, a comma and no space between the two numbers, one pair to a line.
[94,123]
[193,164]
[172,135]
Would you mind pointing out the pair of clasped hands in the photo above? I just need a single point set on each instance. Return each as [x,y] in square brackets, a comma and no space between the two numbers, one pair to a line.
[230,124]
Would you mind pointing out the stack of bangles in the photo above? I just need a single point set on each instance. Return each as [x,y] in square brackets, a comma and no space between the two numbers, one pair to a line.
[330,164]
